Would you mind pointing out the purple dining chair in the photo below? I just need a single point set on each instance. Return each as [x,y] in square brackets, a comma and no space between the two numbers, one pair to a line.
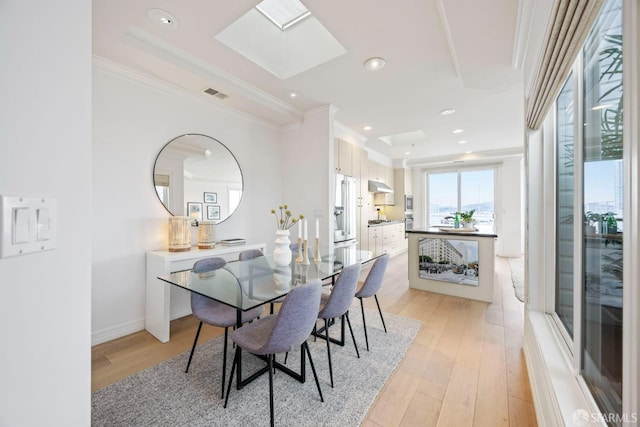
[337,303]
[215,313]
[370,288]
[281,333]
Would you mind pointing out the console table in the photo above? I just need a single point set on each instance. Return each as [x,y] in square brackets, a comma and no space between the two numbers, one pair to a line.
[165,302]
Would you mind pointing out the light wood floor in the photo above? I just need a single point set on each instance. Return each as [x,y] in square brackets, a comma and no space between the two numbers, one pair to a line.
[465,367]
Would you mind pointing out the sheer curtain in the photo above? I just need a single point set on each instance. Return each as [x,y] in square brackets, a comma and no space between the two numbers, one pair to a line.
[571,21]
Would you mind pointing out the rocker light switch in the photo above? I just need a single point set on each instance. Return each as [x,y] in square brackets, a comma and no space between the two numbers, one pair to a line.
[43,224]
[20,225]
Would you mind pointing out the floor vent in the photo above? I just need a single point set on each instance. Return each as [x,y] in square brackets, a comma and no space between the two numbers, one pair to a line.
[215,93]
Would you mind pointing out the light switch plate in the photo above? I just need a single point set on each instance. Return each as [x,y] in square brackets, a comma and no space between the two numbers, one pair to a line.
[27,225]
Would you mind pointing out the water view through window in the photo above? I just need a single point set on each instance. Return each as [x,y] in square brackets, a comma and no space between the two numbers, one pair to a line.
[461,191]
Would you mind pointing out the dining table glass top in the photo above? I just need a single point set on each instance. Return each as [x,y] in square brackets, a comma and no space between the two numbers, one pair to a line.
[250,283]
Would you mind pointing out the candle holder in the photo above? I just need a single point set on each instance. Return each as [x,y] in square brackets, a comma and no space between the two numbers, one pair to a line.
[299,257]
[305,253]
[206,235]
[179,234]
[317,258]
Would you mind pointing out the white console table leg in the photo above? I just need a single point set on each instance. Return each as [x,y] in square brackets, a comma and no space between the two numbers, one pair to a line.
[158,309]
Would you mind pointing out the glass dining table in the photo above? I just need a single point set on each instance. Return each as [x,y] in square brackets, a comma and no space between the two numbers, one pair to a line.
[247,284]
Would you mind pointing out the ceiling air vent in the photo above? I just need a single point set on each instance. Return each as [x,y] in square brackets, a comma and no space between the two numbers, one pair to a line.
[215,93]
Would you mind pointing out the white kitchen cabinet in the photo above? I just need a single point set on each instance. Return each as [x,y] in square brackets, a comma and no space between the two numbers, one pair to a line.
[375,240]
[402,182]
[343,157]
[387,238]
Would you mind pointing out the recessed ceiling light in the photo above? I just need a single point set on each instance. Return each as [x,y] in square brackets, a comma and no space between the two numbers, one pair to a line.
[374,64]
[447,111]
[458,131]
[162,18]
[406,153]
[468,152]
[367,128]
[464,141]
[292,94]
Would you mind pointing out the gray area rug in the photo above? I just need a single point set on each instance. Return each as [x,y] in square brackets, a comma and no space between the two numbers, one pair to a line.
[164,395]
[517,276]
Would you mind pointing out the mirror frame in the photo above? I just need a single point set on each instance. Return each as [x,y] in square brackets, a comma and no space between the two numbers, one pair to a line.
[155,162]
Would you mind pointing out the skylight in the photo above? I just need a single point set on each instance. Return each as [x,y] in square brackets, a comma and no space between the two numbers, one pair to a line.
[283,13]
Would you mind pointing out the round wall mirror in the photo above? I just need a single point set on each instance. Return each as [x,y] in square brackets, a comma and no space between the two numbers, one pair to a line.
[197,176]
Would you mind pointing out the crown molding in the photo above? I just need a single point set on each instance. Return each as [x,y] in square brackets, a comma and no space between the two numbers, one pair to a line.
[120,71]
[159,48]
[342,131]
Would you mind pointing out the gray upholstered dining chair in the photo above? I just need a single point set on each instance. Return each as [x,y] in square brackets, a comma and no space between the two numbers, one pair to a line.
[280,333]
[370,288]
[215,313]
[337,303]
[252,254]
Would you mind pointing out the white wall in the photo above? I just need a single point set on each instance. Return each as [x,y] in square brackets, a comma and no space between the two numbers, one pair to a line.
[510,217]
[309,173]
[134,116]
[45,150]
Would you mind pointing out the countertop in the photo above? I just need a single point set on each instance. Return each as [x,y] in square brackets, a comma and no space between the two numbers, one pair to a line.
[392,222]
[450,233]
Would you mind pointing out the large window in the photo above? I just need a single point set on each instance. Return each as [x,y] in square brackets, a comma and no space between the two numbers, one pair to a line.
[461,191]
[602,199]
[564,205]
[589,193]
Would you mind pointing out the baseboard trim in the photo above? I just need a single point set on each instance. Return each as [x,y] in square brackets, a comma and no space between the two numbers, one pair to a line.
[128,328]
[118,331]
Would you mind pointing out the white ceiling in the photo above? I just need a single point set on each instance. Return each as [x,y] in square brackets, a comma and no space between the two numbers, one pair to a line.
[440,54]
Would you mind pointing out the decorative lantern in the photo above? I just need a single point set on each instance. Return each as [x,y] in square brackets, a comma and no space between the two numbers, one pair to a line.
[206,235]
[179,234]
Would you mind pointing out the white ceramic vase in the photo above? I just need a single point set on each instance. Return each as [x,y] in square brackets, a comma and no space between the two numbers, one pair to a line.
[282,252]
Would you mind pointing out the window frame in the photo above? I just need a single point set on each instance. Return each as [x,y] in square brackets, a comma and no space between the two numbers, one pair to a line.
[572,348]
[458,170]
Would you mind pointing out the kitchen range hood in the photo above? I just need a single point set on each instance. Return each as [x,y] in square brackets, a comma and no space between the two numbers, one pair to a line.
[379,187]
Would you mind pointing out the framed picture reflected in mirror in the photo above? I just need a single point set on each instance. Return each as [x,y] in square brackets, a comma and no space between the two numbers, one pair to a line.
[194,210]
[211,197]
[213,212]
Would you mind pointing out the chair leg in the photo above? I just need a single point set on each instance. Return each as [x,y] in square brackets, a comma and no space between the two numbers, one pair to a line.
[326,330]
[352,336]
[364,324]
[195,341]
[313,369]
[380,311]
[270,357]
[224,361]
[233,370]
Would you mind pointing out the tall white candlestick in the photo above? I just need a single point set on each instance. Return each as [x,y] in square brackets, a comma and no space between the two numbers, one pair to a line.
[317,228]
[305,229]
[300,229]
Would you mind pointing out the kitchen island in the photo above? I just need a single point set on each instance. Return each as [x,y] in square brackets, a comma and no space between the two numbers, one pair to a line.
[457,262]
